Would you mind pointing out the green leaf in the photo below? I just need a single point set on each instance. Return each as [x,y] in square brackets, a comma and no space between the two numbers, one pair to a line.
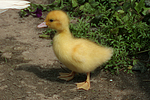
[120,11]
[74,3]
[110,1]
[125,18]
[126,6]
[86,7]
[91,0]
[81,1]
[146,11]
[115,30]
[139,6]
[44,36]
[57,1]
[81,7]
[94,4]
[130,67]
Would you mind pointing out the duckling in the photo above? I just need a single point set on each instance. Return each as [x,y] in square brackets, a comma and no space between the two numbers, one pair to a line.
[77,54]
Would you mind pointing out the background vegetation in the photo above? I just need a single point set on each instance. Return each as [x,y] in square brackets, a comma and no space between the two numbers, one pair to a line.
[120,24]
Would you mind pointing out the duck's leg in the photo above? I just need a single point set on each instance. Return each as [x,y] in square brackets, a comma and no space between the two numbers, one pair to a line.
[84,85]
[66,76]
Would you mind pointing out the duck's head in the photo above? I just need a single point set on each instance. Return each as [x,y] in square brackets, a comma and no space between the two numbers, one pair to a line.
[57,20]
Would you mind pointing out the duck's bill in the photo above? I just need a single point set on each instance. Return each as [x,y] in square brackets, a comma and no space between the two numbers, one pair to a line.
[42,25]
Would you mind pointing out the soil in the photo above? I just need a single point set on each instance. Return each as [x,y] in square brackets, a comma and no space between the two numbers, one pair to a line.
[29,68]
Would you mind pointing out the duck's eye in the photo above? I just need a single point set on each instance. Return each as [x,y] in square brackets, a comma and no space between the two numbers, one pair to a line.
[51,20]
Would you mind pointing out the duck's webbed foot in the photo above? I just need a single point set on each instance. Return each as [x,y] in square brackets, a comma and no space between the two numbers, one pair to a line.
[84,85]
[66,76]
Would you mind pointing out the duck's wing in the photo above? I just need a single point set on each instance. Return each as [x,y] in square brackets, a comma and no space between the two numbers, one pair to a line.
[79,54]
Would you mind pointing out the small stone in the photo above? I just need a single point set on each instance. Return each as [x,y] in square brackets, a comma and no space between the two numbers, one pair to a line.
[26,55]
[56,96]
[41,95]
[73,90]
[84,97]
[22,82]
[76,98]
[11,73]
[19,47]
[19,86]
[3,87]
[40,83]
[28,92]
[64,91]
[110,80]
[31,86]
[2,80]
[7,55]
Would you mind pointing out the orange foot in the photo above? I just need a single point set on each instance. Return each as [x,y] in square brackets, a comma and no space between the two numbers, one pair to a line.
[66,76]
[84,85]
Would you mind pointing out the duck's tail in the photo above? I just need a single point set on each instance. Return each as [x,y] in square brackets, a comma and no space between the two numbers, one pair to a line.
[106,54]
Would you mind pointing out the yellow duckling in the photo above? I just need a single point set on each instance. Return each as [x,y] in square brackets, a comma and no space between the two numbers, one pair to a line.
[79,55]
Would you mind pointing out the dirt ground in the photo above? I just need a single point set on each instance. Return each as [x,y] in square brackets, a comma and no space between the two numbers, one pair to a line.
[29,68]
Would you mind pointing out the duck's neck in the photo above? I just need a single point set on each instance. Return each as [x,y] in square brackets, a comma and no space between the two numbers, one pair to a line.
[65,32]
[61,40]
